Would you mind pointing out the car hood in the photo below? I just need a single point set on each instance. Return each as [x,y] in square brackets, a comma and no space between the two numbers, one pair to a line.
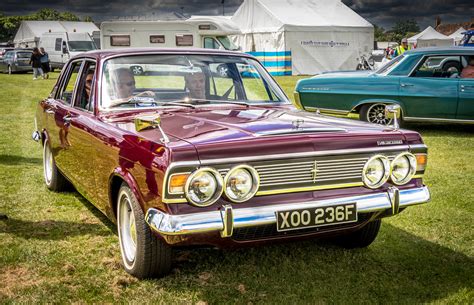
[362,73]
[238,131]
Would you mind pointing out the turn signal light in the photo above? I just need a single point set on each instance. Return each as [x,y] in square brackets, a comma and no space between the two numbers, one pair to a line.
[421,160]
[177,183]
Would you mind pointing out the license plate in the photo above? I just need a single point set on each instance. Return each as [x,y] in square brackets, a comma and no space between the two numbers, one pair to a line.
[316,217]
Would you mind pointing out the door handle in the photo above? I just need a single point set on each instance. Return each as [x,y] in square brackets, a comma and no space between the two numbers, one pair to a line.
[466,86]
[49,111]
[406,85]
[67,119]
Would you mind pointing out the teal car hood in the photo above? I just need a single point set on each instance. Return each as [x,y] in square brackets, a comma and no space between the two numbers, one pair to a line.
[363,73]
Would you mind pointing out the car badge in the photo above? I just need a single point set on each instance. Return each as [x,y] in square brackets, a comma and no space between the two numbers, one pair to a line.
[389,142]
[297,124]
[314,171]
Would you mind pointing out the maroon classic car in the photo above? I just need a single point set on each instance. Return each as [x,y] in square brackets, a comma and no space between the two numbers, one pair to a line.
[184,154]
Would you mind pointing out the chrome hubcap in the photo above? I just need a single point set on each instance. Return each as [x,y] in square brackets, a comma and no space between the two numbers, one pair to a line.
[127,229]
[376,114]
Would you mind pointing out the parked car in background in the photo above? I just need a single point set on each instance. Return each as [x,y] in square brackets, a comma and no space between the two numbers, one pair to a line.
[426,84]
[185,156]
[17,60]
[468,39]
[4,50]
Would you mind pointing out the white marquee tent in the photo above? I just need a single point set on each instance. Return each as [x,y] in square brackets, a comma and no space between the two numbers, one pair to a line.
[29,32]
[303,36]
[430,38]
[457,36]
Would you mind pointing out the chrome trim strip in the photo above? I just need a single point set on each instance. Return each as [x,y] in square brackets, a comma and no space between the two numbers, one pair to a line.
[167,224]
[325,110]
[304,154]
[418,146]
[414,119]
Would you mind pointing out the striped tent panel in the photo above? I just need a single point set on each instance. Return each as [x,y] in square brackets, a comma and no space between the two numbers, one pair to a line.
[277,63]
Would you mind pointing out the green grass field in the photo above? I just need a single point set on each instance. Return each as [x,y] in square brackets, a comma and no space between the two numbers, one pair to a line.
[58,248]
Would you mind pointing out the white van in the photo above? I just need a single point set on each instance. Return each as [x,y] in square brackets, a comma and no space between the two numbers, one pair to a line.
[63,45]
[198,31]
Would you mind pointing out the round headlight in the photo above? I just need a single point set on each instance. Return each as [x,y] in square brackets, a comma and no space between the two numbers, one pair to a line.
[241,183]
[203,187]
[403,168]
[376,171]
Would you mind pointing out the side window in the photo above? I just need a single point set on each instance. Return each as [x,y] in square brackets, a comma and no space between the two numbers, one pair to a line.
[184,40]
[85,87]
[58,44]
[120,40]
[210,43]
[157,38]
[439,66]
[67,90]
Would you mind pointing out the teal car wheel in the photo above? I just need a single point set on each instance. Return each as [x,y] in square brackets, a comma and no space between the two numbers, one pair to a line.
[374,113]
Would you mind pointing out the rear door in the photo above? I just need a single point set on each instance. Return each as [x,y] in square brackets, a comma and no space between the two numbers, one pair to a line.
[431,90]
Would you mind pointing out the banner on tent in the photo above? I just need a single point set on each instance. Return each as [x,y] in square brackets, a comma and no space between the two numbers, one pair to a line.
[277,63]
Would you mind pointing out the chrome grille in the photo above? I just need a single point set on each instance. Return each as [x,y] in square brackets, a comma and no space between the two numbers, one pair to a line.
[297,172]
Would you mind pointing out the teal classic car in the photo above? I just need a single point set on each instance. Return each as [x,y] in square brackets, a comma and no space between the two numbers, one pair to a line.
[430,85]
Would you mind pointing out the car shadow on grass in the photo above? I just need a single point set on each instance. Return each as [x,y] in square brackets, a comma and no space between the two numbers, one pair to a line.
[18,160]
[50,229]
[398,268]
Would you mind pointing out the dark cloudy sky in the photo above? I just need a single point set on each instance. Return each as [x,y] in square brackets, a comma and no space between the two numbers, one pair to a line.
[381,12]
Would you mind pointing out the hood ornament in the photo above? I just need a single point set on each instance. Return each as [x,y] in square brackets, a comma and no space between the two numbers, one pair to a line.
[143,122]
[297,123]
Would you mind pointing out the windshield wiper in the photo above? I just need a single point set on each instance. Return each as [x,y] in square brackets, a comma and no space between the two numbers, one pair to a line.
[182,103]
[221,101]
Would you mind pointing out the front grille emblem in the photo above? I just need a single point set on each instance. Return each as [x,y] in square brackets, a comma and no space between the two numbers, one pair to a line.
[314,171]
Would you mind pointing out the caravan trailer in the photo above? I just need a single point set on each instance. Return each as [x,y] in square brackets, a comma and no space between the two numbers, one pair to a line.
[209,32]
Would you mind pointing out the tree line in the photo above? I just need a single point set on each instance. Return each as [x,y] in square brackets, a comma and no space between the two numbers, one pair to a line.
[401,29]
[10,24]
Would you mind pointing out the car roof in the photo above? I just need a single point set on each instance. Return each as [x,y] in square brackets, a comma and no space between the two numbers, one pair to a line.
[442,50]
[143,51]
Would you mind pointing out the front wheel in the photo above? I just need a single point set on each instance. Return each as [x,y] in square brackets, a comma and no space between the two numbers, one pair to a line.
[374,113]
[361,238]
[143,254]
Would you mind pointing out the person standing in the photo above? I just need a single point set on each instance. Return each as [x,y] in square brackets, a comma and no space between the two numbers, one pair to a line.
[402,48]
[35,62]
[44,62]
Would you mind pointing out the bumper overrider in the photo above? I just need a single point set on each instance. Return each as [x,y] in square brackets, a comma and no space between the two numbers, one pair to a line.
[228,217]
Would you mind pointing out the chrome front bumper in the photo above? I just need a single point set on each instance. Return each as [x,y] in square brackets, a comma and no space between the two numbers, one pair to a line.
[228,218]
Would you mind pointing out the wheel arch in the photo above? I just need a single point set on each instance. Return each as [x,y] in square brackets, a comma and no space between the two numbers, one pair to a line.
[358,105]
[116,179]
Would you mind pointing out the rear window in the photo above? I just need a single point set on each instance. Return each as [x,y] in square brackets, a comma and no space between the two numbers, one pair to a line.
[23,55]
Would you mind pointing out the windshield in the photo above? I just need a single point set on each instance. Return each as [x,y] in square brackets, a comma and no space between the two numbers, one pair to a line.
[81,46]
[388,66]
[23,54]
[186,81]
[227,43]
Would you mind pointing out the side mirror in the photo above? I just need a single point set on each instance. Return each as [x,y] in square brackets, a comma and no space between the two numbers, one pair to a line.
[393,112]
